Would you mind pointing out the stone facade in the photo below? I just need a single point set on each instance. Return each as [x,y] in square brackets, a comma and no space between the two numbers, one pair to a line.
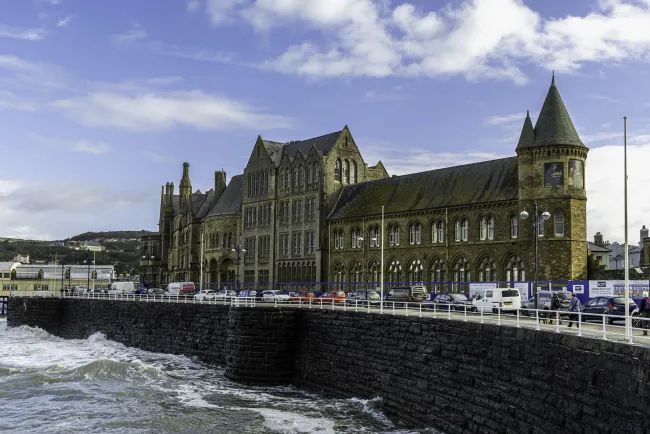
[310,211]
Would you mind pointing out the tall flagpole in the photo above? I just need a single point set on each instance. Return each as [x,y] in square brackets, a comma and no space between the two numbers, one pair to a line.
[201,259]
[628,330]
[381,268]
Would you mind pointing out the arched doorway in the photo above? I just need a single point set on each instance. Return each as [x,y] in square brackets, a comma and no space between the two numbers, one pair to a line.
[227,273]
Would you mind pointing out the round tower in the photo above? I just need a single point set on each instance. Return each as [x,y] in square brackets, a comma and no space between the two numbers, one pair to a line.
[551,173]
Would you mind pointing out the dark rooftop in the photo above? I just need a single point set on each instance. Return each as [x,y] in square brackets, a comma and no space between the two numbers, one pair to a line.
[231,199]
[488,181]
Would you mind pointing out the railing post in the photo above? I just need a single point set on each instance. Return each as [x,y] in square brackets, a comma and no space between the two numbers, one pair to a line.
[356,305]
[557,322]
[406,313]
[434,309]
[449,311]
[518,324]
[465,313]
[579,323]
[537,318]
[499,316]
[481,316]
[604,329]
[420,310]
[333,302]
[393,308]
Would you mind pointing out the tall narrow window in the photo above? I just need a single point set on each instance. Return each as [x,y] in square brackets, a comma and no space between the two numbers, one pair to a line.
[483,230]
[458,230]
[346,172]
[559,224]
[378,236]
[540,226]
[434,232]
[490,228]
[441,231]
[353,238]
[353,173]
[337,171]
[464,229]
[514,227]
[309,175]
[412,233]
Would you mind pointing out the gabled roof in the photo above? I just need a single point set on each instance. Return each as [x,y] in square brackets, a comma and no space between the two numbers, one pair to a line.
[206,204]
[554,125]
[488,181]
[322,143]
[231,199]
[275,150]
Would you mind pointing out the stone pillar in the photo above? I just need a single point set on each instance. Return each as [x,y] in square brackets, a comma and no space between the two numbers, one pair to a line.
[260,345]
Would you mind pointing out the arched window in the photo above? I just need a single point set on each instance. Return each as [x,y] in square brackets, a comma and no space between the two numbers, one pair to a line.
[464,229]
[346,172]
[301,177]
[356,275]
[225,240]
[412,231]
[515,271]
[458,230]
[230,240]
[461,274]
[559,224]
[316,173]
[395,271]
[438,274]
[337,171]
[295,178]
[483,228]
[540,226]
[415,271]
[441,231]
[373,236]
[310,174]
[353,172]
[434,232]
[514,227]
[339,276]
[487,270]
[374,274]
[354,238]
[393,234]
[490,228]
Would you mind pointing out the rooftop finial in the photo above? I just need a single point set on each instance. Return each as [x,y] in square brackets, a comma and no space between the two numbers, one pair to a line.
[527,113]
[553,79]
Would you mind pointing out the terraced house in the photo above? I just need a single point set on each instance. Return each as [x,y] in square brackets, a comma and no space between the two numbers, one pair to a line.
[310,211]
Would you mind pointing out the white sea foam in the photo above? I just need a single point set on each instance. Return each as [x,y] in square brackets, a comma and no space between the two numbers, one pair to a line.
[294,423]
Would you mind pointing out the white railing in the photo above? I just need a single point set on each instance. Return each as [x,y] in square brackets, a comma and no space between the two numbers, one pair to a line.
[586,324]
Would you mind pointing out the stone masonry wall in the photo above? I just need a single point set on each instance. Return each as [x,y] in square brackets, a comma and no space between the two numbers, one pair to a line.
[459,377]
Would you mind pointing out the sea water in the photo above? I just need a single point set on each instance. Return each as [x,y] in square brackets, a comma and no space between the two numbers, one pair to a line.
[54,385]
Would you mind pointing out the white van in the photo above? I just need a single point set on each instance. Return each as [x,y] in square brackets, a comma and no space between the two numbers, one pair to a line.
[122,288]
[181,288]
[490,300]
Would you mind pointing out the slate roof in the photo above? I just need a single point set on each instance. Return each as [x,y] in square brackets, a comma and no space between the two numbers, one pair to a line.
[553,126]
[275,150]
[202,202]
[596,248]
[231,199]
[323,144]
[527,137]
[488,181]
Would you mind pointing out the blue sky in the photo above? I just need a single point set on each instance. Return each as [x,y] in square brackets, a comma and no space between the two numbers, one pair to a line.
[101,102]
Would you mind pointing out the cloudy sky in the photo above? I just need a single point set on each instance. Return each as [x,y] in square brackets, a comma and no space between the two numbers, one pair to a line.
[101,102]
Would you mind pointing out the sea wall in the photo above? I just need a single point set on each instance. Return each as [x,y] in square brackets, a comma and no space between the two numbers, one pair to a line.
[459,377]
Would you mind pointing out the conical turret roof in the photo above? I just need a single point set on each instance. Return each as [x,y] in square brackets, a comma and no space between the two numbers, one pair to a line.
[527,138]
[554,125]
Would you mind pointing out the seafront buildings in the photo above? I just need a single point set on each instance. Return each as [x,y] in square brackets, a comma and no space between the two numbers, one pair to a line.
[310,211]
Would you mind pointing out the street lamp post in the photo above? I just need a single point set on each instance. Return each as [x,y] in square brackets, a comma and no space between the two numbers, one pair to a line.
[536,219]
[88,275]
[239,250]
[366,248]
[148,259]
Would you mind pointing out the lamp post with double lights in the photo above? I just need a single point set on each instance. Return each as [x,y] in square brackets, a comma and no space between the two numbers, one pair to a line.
[239,250]
[536,219]
[366,248]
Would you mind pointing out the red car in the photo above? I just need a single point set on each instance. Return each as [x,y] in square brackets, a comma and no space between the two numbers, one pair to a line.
[303,297]
[333,297]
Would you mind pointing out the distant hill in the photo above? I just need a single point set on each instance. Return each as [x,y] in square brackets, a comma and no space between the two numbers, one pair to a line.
[122,249]
[109,235]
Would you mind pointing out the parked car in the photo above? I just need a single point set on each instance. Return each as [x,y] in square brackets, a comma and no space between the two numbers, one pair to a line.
[614,306]
[360,296]
[155,291]
[545,301]
[406,294]
[303,297]
[225,293]
[275,295]
[505,299]
[333,297]
[205,294]
[451,301]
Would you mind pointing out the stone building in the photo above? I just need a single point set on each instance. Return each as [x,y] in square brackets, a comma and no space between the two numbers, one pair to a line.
[310,211]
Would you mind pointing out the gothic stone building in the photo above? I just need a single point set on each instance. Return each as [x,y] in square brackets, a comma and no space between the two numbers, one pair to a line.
[310,211]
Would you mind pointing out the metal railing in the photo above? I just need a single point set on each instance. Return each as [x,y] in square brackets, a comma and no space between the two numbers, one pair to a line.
[586,324]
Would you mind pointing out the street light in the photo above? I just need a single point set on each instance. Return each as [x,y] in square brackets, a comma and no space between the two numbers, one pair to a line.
[545,216]
[148,259]
[367,247]
[239,250]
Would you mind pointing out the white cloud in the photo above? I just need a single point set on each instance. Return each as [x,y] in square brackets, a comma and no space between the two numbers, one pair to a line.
[156,157]
[156,110]
[59,209]
[24,34]
[477,39]
[9,100]
[136,33]
[91,147]
[392,94]
[63,22]
[517,118]
[193,5]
